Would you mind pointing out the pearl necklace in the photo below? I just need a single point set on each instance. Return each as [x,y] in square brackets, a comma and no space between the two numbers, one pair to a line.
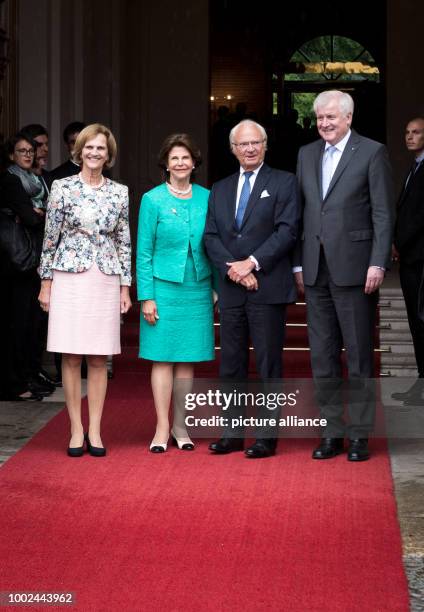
[179,191]
[102,182]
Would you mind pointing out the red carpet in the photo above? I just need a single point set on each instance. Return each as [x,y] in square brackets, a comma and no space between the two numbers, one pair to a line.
[187,531]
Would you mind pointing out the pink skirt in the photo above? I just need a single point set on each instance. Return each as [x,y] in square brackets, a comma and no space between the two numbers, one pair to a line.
[84,314]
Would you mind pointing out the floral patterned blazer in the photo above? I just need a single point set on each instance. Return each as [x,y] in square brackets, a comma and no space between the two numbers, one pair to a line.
[85,224]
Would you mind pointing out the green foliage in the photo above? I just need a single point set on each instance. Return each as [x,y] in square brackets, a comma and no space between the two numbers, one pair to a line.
[302,102]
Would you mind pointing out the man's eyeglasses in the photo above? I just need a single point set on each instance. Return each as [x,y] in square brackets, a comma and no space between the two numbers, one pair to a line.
[255,144]
[26,152]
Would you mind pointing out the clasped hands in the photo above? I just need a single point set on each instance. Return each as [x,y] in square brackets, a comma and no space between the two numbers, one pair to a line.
[240,272]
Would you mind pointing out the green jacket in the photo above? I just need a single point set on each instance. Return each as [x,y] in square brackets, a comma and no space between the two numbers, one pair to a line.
[167,226]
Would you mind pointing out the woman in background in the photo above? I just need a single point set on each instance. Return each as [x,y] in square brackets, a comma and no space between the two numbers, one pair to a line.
[174,283]
[21,197]
[86,274]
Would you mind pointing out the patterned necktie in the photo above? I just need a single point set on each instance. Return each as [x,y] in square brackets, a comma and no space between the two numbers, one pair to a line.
[327,169]
[244,198]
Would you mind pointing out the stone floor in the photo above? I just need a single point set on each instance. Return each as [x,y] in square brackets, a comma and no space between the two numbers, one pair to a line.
[407,458]
[20,421]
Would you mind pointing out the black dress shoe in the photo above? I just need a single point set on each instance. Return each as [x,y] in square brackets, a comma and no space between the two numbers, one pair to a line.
[358,450]
[40,388]
[416,392]
[414,400]
[328,448]
[94,451]
[45,377]
[226,445]
[260,449]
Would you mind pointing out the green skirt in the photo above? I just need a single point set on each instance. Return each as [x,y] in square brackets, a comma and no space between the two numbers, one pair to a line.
[184,331]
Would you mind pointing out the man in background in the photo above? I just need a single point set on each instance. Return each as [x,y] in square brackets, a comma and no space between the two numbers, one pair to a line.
[409,250]
[69,167]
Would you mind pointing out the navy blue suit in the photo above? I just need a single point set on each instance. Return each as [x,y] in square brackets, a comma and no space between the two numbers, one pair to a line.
[268,232]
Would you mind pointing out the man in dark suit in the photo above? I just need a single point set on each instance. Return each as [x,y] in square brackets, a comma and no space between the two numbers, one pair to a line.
[345,247]
[409,245]
[69,167]
[250,232]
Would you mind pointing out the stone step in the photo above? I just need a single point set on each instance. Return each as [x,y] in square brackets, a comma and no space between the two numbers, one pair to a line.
[391,305]
[407,348]
[393,314]
[399,325]
[398,360]
[395,331]
[396,336]
[390,292]
[399,372]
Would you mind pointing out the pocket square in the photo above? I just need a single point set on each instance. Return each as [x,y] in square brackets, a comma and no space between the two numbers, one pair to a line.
[265,194]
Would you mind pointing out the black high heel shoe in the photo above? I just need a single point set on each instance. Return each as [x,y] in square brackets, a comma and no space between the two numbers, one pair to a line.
[94,451]
[187,446]
[76,451]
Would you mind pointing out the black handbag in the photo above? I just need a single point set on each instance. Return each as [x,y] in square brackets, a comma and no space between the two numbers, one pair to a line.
[17,243]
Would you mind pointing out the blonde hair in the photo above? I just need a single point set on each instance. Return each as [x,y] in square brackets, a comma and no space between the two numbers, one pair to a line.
[90,132]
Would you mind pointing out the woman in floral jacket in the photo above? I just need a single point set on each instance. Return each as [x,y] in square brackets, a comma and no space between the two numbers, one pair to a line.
[86,274]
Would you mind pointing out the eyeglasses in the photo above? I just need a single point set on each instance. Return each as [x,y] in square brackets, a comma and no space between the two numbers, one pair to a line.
[255,144]
[29,152]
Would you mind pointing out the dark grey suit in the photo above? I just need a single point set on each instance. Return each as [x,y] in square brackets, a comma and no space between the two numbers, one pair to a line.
[343,234]
[354,221]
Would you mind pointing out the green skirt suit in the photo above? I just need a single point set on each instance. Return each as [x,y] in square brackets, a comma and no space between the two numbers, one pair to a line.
[173,270]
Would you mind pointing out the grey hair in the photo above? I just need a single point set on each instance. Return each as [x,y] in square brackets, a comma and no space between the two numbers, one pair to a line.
[250,122]
[345,101]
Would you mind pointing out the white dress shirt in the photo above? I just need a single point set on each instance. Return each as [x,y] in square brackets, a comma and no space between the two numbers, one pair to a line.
[337,150]
[241,180]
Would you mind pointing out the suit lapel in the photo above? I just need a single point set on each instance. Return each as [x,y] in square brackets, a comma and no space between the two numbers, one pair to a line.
[231,193]
[350,149]
[318,167]
[412,179]
[404,192]
[260,183]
